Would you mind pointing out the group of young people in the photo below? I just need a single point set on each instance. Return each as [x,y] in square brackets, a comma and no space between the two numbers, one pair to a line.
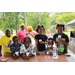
[21,45]
[59,38]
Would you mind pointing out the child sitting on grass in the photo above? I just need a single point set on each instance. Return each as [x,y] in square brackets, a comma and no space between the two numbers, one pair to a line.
[27,49]
[15,47]
[49,50]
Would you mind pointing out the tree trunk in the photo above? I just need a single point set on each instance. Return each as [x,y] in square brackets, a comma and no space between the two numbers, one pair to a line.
[16,24]
[25,20]
[10,23]
[3,17]
[39,18]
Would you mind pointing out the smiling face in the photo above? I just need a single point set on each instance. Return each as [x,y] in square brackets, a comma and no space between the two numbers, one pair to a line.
[60,29]
[23,27]
[50,43]
[16,40]
[8,33]
[41,30]
[27,43]
[48,31]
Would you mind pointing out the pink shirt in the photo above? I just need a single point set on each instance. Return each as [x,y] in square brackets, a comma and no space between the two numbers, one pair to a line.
[35,33]
[22,34]
[49,35]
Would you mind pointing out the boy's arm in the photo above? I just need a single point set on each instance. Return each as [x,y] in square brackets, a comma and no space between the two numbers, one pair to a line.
[13,53]
[1,43]
[0,50]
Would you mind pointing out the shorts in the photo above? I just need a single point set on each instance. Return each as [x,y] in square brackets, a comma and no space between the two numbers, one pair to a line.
[42,51]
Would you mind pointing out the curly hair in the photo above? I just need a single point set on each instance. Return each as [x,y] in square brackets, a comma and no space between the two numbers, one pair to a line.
[15,37]
[62,25]
[29,28]
[39,26]
[22,25]
[27,38]
[51,39]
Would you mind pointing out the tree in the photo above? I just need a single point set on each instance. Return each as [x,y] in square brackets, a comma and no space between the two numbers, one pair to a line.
[9,20]
[39,18]
[13,20]
[65,18]
[25,19]
[56,15]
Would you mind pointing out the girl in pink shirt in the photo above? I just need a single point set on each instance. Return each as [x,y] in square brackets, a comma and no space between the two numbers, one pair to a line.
[22,33]
[48,33]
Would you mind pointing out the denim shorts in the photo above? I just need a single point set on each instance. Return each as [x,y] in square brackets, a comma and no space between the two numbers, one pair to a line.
[42,51]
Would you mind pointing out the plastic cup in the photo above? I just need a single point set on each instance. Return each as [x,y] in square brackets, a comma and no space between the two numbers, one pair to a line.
[50,46]
[17,53]
[59,36]
[40,40]
[27,54]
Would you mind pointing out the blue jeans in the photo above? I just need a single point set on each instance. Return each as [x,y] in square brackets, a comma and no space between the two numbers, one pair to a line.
[42,51]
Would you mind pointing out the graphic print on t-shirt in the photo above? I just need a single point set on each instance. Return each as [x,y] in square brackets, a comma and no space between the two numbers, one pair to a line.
[60,44]
[9,43]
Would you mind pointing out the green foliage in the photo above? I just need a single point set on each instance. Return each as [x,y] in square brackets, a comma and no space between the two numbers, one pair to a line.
[65,18]
[9,20]
[13,20]
[72,28]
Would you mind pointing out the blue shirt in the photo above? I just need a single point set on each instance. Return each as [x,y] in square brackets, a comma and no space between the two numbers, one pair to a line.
[14,48]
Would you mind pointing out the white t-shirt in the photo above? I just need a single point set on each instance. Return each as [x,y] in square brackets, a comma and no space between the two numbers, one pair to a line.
[30,49]
[1,33]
